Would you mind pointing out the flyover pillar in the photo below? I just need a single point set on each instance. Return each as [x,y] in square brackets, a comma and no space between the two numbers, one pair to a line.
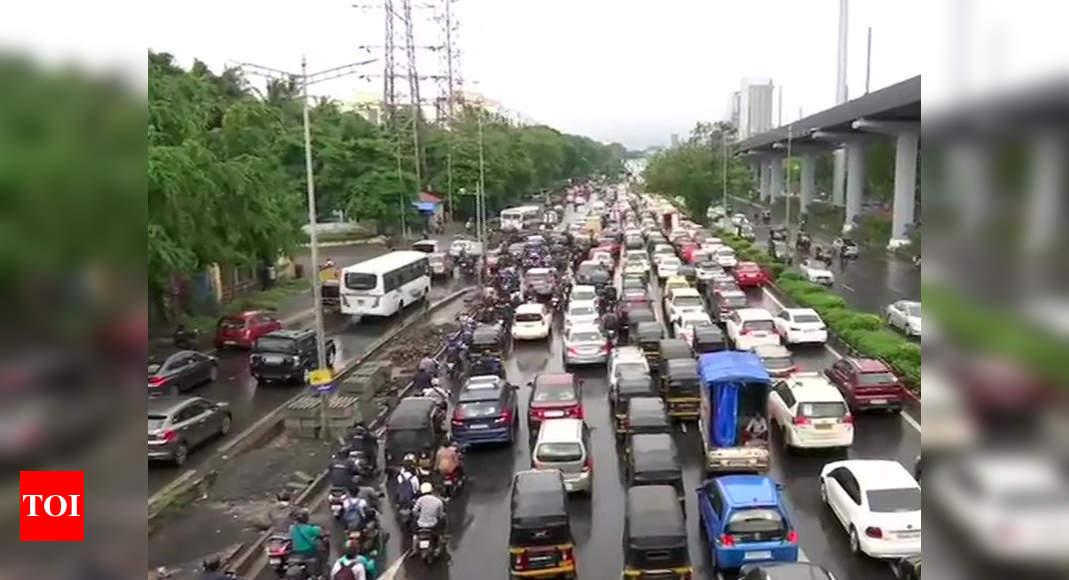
[855,180]
[775,167]
[809,180]
[764,180]
[838,177]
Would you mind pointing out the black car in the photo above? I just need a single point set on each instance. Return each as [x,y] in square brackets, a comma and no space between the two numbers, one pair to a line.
[180,371]
[285,355]
[785,571]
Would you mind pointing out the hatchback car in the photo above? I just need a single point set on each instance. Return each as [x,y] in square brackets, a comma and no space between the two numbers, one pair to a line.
[744,520]
[532,321]
[553,396]
[178,424]
[878,504]
[180,371]
[585,344]
[485,411]
[867,383]
[749,275]
[241,330]
[750,327]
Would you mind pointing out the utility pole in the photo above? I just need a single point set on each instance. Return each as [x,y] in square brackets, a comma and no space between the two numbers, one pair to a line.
[788,188]
[724,170]
[868,61]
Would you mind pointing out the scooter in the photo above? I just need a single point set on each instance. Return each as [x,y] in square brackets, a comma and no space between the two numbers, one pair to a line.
[335,498]
[452,483]
[278,549]
[428,546]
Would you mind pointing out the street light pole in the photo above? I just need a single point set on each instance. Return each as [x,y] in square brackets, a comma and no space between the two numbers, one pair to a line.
[788,189]
[317,295]
[724,171]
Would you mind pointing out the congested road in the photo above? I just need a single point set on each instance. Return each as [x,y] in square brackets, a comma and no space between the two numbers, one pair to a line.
[479,518]
[248,401]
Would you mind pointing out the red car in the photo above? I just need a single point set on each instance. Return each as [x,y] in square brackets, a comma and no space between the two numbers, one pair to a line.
[687,249]
[553,396]
[241,330]
[867,383]
[749,274]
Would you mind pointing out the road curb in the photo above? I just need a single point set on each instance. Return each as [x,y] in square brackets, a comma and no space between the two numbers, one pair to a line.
[268,425]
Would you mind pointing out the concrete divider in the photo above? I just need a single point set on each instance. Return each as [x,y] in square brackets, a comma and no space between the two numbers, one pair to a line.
[268,426]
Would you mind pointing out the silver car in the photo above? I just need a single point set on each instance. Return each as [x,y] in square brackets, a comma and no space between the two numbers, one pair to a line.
[584,344]
[178,424]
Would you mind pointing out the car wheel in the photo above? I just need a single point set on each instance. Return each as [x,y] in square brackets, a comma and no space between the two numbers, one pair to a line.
[181,453]
[855,543]
[224,426]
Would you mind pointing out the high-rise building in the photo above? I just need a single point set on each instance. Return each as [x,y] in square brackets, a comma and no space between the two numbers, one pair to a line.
[733,109]
[675,139]
[755,106]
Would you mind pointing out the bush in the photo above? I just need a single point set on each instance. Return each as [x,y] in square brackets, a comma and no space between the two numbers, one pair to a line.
[777,270]
[845,320]
[791,276]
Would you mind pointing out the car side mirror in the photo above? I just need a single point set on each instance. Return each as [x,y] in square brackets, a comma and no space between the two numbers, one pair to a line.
[530,384]
[780,486]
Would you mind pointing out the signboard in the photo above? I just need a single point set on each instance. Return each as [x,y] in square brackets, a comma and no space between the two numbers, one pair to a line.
[320,377]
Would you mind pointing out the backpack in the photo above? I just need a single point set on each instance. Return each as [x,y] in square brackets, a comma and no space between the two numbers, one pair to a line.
[345,572]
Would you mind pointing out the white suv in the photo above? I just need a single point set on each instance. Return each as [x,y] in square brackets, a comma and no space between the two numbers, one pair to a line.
[810,412]
[798,325]
[626,359]
[750,327]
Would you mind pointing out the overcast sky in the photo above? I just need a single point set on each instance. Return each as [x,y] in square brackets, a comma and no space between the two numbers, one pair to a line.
[615,70]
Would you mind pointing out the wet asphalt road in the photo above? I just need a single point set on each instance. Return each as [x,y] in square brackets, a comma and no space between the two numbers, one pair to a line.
[248,401]
[479,518]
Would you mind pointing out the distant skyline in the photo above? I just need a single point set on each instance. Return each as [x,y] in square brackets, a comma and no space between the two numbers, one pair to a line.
[633,73]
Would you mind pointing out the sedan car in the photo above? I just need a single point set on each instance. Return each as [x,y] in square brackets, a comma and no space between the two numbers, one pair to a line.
[706,268]
[725,256]
[180,371]
[667,267]
[800,325]
[485,411]
[580,313]
[878,504]
[817,272]
[178,424]
[585,344]
[582,293]
[905,315]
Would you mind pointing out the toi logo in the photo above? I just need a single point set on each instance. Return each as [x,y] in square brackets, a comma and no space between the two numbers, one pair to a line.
[51,506]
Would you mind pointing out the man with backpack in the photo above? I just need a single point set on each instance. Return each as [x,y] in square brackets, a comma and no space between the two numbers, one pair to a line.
[348,566]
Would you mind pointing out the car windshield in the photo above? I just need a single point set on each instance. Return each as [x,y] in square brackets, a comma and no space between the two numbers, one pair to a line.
[685,301]
[734,301]
[272,344]
[231,323]
[697,322]
[554,394]
[156,422]
[585,336]
[357,281]
[581,311]
[584,294]
[706,265]
[912,309]
[539,277]
[669,261]
[725,252]
[806,318]
[478,409]
[528,317]
[753,520]
[554,452]
[825,410]
[758,325]
[776,362]
[874,379]
[894,500]
[630,368]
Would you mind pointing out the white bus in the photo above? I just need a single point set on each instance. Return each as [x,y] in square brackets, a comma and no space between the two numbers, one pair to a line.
[384,285]
[523,217]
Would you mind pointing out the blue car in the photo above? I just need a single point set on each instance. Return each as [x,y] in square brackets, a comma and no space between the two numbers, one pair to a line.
[485,412]
[744,521]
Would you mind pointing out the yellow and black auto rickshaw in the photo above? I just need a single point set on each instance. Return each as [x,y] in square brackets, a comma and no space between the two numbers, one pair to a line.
[655,535]
[648,336]
[629,386]
[645,415]
[540,536]
[681,388]
[671,349]
[654,460]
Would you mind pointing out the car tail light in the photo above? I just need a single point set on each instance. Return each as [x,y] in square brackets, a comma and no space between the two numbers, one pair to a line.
[168,435]
[247,334]
[588,465]
[801,420]
[792,537]
[522,561]
[566,555]
[847,419]
[156,381]
[605,348]
[504,418]
[727,540]
[873,532]
[573,350]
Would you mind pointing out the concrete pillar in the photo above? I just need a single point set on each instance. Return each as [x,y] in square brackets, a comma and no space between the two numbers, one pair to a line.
[969,180]
[809,180]
[838,177]
[855,179]
[764,181]
[775,167]
[1044,200]
[905,183]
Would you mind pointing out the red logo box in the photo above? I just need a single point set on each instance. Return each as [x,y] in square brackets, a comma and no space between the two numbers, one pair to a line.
[51,506]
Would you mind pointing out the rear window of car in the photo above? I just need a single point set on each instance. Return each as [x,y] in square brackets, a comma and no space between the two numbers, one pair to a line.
[758,325]
[528,317]
[154,367]
[776,362]
[273,344]
[559,452]
[582,295]
[554,394]
[687,301]
[630,368]
[478,409]
[734,301]
[670,261]
[825,410]
[806,318]
[156,422]
[876,379]
[232,323]
[357,281]
[581,311]
[747,268]
[539,277]
[749,521]
[894,500]
[585,336]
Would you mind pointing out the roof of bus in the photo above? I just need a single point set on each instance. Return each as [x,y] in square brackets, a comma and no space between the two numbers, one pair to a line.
[522,208]
[386,262]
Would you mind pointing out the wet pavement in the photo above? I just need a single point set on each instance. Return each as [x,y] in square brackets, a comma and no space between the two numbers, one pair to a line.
[479,518]
[249,401]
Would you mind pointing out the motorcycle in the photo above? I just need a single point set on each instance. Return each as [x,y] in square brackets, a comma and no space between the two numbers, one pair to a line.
[335,498]
[428,545]
[278,548]
[452,483]
[362,464]
[404,515]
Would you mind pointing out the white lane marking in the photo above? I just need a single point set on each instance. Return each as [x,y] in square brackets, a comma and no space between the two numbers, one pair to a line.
[391,572]
[801,555]
[905,416]
[846,287]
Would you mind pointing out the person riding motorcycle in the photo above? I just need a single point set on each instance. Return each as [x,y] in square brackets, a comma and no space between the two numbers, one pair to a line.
[211,570]
[429,511]
[349,559]
[408,483]
[341,472]
[437,392]
[280,514]
[428,364]
[422,380]
[362,439]
[610,324]
[447,459]
[183,337]
[307,540]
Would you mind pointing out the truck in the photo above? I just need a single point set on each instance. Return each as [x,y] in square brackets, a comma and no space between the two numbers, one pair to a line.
[669,220]
[593,224]
[734,390]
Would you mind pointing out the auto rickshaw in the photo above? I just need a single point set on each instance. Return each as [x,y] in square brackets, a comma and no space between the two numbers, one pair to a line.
[540,535]
[708,339]
[628,387]
[681,388]
[654,460]
[655,535]
[329,287]
[688,273]
[778,235]
[633,316]
[645,415]
[672,348]
[416,426]
[648,335]
[489,340]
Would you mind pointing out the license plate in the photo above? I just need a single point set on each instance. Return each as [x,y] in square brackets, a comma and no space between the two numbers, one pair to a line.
[477,426]
[274,561]
[554,413]
[823,426]
[908,535]
[424,543]
[757,556]
[230,342]
[879,401]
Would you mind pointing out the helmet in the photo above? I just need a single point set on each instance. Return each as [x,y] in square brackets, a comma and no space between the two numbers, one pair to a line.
[283,496]
[408,459]
[360,431]
[426,488]
[435,381]
[211,564]
[301,516]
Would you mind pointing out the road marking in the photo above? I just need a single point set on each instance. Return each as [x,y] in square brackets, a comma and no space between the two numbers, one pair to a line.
[801,555]
[845,287]
[394,568]
[905,416]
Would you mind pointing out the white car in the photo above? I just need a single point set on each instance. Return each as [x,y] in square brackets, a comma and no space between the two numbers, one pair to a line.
[801,325]
[683,300]
[739,219]
[605,259]
[705,269]
[810,413]
[725,256]
[668,267]
[662,251]
[750,327]
[816,272]
[532,321]
[1012,507]
[905,315]
[683,325]
[583,294]
[626,360]
[638,256]
[580,313]
[878,503]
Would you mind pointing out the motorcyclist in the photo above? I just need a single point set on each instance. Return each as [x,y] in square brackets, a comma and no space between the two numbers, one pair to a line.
[362,439]
[211,570]
[184,337]
[350,559]
[437,392]
[428,364]
[447,459]
[341,472]
[280,513]
[307,540]
[407,481]
[422,380]
[610,323]
[429,511]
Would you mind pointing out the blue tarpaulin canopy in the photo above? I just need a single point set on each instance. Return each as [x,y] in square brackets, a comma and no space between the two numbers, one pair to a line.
[428,206]
[724,373]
